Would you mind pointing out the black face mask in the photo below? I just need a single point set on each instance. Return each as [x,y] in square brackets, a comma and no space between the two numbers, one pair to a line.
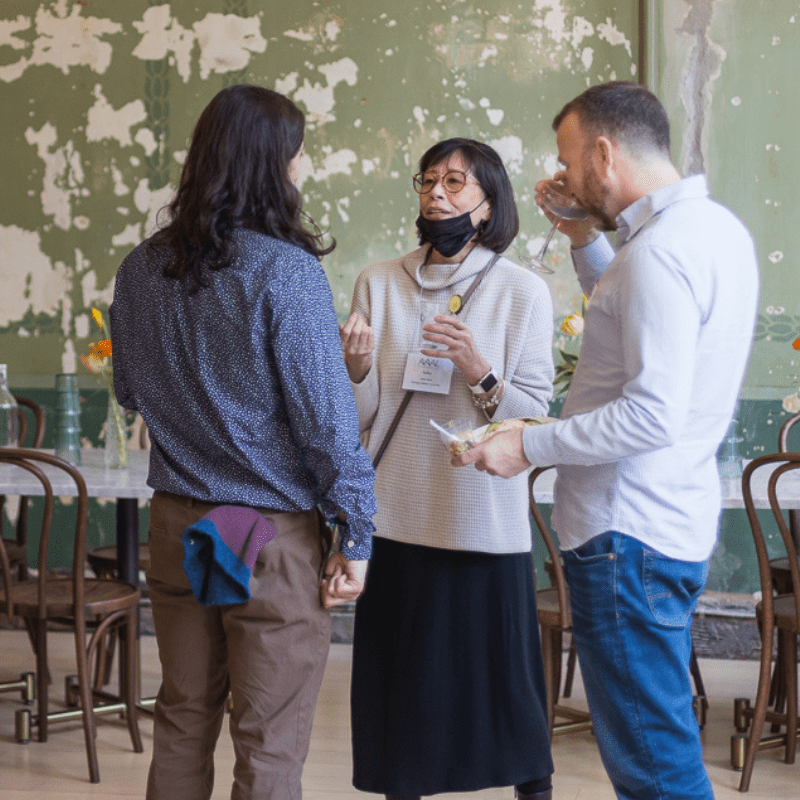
[448,236]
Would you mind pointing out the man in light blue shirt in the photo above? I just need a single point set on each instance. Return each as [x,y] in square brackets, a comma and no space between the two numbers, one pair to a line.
[668,331]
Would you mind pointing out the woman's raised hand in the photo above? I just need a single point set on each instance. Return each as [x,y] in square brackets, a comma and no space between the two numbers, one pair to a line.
[358,344]
[461,349]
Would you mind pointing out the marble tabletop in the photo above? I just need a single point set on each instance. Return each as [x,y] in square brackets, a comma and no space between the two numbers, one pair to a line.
[101,481]
[731,489]
[132,482]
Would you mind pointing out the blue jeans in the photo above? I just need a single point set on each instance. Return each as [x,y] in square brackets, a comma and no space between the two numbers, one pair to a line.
[631,621]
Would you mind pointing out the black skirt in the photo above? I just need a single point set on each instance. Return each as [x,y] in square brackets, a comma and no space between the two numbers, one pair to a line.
[448,690]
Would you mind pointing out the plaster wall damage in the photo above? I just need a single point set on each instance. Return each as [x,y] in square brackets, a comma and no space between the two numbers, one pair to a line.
[98,145]
[702,68]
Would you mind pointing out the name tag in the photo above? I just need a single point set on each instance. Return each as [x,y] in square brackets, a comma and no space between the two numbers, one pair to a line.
[427,374]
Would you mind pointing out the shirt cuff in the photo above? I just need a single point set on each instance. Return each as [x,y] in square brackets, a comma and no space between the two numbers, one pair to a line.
[591,262]
[355,545]
[538,444]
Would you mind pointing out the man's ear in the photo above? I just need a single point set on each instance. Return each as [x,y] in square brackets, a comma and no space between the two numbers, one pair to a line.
[604,153]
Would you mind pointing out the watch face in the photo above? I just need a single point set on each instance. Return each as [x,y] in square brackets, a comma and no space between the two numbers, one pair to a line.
[489,382]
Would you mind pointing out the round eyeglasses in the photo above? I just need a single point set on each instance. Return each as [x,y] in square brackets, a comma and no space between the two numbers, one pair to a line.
[453,181]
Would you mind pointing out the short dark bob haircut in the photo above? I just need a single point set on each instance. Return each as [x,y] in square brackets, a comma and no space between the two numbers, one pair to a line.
[485,164]
[624,111]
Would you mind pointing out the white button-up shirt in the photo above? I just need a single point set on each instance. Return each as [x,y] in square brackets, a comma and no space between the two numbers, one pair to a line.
[669,328]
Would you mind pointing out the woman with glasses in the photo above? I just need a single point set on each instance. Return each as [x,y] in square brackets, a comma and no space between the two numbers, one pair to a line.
[448,691]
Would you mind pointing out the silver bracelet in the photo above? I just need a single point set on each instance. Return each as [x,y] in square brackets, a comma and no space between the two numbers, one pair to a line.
[491,401]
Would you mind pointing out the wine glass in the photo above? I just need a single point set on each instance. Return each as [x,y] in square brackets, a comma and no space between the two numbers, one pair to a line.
[564,206]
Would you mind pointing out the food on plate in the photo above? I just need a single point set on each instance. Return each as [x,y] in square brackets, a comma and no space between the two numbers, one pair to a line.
[458,439]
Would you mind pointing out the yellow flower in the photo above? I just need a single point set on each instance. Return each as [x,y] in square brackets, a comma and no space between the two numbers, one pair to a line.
[573,325]
[98,318]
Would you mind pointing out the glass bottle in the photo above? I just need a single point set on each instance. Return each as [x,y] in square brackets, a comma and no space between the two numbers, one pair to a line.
[9,412]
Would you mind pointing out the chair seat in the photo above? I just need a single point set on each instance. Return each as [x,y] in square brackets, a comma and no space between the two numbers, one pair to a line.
[15,551]
[785,613]
[548,607]
[103,560]
[781,575]
[101,597]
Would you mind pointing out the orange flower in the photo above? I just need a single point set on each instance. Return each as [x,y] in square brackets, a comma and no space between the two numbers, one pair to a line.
[796,344]
[96,360]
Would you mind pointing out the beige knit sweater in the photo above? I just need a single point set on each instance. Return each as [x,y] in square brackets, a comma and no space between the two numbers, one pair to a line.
[421,498]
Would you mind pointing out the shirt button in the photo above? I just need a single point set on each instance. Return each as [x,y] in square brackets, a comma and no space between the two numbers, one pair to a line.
[351,543]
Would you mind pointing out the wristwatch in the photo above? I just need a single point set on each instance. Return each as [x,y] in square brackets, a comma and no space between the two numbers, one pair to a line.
[485,384]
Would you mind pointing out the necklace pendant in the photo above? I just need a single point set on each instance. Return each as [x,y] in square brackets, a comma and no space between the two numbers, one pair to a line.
[455,303]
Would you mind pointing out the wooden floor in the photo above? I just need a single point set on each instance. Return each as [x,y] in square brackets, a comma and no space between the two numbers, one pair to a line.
[57,768]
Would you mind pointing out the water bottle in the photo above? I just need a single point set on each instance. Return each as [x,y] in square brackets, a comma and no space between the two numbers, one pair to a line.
[9,413]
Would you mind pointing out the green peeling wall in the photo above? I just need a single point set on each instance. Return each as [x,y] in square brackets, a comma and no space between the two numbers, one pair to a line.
[99,98]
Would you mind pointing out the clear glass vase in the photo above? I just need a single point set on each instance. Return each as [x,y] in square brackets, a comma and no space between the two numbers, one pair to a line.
[9,419]
[116,444]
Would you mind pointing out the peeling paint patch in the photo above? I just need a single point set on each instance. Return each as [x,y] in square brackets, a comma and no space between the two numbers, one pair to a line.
[150,202]
[495,115]
[510,150]
[226,41]
[318,99]
[103,122]
[62,40]
[303,36]
[162,36]
[614,36]
[132,235]
[287,84]
[63,174]
[26,272]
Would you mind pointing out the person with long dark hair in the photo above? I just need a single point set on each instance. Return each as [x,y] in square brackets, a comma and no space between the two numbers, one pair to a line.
[448,688]
[225,340]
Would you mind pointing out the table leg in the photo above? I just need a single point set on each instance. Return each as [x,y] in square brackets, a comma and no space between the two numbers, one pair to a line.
[128,539]
[128,567]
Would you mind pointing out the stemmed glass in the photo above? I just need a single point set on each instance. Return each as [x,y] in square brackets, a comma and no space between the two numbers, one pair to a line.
[564,206]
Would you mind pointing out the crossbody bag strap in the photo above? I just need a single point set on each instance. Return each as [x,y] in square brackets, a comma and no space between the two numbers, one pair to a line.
[409,392]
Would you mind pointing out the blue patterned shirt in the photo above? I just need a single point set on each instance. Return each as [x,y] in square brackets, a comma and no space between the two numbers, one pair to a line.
[243,386]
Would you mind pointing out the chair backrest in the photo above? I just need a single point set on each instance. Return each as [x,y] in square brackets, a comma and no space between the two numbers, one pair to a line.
[783,447]
[776,465]
[39,418]
[558,579]
[34,461]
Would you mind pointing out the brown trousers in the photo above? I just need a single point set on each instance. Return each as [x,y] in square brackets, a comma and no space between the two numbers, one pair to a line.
[269,653]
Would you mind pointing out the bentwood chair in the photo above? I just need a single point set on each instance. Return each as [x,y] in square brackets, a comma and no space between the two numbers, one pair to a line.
[89,606]
[781,576]
[17,548]
[555,619]
[775,613]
